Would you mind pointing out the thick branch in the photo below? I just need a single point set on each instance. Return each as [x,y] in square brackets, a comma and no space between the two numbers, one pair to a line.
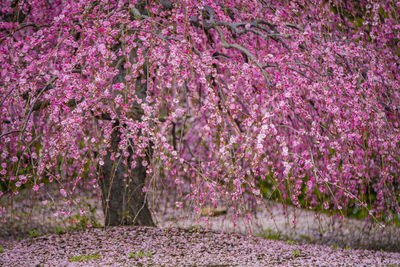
[246,52]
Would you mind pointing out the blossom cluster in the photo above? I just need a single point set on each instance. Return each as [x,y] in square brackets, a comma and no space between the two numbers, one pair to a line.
[303,96]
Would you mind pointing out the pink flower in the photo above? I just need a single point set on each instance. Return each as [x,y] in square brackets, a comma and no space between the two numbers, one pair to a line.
[102,49]
[35,187]
[256,191]
[63,192]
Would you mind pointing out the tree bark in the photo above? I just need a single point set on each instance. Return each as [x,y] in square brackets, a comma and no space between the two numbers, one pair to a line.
[123,199]
[124,202]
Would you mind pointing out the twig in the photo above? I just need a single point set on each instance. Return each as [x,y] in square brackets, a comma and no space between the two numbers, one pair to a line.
[7,133]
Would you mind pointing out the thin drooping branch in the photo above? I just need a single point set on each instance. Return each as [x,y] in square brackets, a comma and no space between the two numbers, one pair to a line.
[33,106]
[23,26]
[6,96]
[7,133]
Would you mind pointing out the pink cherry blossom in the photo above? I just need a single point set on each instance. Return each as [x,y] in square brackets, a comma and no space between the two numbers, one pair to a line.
[223,96]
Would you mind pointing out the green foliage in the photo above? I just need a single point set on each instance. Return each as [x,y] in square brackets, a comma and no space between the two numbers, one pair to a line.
[83,258]
[268,234]
[296,253]
[81,222]
[1,250]
[354,210]
[60,230]
[140,254]
[33,233]
[307,237]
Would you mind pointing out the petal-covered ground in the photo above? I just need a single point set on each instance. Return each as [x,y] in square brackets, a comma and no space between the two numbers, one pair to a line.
[35,214]
[144,246]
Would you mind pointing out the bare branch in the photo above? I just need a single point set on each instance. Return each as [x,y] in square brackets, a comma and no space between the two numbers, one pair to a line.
[294,27]
[24,25]
[7,133]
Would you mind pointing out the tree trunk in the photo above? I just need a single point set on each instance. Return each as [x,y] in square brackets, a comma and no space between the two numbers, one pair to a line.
[124,202]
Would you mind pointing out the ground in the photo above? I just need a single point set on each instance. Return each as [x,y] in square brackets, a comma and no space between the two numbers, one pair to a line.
[33,236]
[146,246]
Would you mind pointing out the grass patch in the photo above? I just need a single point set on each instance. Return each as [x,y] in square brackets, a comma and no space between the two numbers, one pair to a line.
[290,242]
[268,234]
[33,233]
[85,258]
[1,250]
[296,253]
[308,238]
[140,254]
[60,230]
